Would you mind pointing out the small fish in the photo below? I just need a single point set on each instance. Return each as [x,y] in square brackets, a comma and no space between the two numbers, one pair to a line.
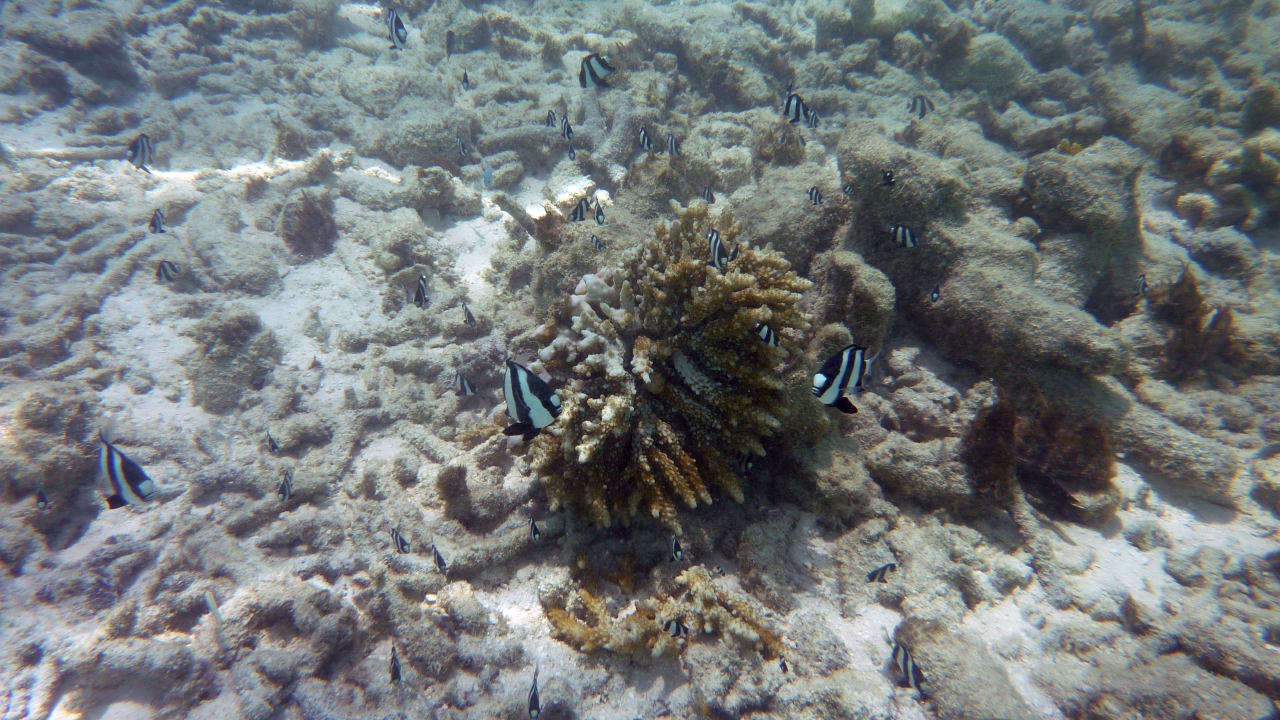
[212,603]
[420,297]
[42,499]
[595,242]
[718,570]
[449,39]
[1141,285]
[646,142]
[596,68]
[848,189]
[167,270]
[743,463]
[673,145]
[935,294]
[677,553]
[815,195]
[285,491]
[907,668]
[140,152]
[811,121]
[767,334]
[460,145]
[531,402]
[467,318]
[709,196]
[466,81]
[920,104]
[441,565]
[902,236]
[886,178]
[719,255]
[156,226]
[782,663]
[573,154]
[463,387]
[272,445]
[402,545]
[800,137]
[534,533]
[535,704]
[395,26]
[579,213]
[488,174]
[599,213]
[128,482]
[551,118]
[566,129]
[676,628]
[395,666]
[879,574]
[794,109]
[840,372]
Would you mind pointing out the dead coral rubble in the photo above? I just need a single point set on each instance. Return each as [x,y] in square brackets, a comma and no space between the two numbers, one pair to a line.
[669,378]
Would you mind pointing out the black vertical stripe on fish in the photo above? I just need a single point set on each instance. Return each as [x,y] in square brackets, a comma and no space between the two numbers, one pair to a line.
[449,39]
[531,402]
[599,213]
[466,81]
[646,142]
[840,372]
[463,387]
[595,242]
[534,533]
[285,491]
[879,574]
[596,69]
[743,463]
[420,296]
[395,26]
[811,120]
[709,196]
[908,669]
[935,294]
[566,128]
[719,255]
[535,703]
[395,666]
[42,499]
[166,271]
[156,226]
[920,104]
[675,628]
[673,145]
[794,109]
[848,189]
[677,552]
[1141,285]
[441,565]
[886,178]
[467,318]
[140,152]
[127,481]
[573,154]
[782,664]
[767,334]
[903,236]
[272,445]
[815,195]
[402,545]
[551,118]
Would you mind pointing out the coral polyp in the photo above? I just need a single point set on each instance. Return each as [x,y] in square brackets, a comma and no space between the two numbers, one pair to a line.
[668,378]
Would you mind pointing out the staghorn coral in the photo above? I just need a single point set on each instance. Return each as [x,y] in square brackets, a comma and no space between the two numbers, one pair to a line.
[670,380]
[701,606]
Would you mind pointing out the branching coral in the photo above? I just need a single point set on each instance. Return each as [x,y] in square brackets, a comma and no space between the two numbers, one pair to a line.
[669,380]
[701,606]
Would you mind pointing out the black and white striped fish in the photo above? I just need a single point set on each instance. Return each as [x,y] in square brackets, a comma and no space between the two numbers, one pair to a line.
[573,154]
[811,120]
[935,294]
[794,109]
[141,152]
[441,565]
[767,334]
[673,145]
[534,533]
[461,145]
[272,445]
[848,189]
[156,226]
[815,195]
[743,463]
[466,81]
[167,270]
[531,402]
[599,213]
[719,254]
[126,480]
[646,142]
[886,178]
[676,628]
[840,372]
[566,129]
[463,387]
[878,575]
[535,704]
[595,243]
[1141,286]
[579,213]
[903,236]
[395,666]
[782,664]
[709,196]
[402,545]
[467,318]
[596,68]
[920,104]
[908,669]
[551,118]
[420,296]
[677,552]
[42,499]
[285,491]
[395,26]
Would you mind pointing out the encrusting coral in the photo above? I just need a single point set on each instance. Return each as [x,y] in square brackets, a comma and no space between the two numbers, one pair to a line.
[701,607]
[669,379]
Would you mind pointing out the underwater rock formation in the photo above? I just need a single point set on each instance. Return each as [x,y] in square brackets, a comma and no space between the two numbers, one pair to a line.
[673,383]
[235,354]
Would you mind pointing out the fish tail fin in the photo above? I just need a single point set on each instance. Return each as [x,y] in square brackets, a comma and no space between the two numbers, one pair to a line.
[531,434]
[115,501]
[519,428]
[845,405]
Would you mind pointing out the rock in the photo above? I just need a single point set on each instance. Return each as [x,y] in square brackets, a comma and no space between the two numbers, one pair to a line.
[992,64]
[234,354]
[1147,535]
[306,223]
[931,190]
[964,680]
[852,293]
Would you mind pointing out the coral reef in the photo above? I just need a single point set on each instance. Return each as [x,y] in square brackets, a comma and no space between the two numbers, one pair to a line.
[671,385]
[234,354]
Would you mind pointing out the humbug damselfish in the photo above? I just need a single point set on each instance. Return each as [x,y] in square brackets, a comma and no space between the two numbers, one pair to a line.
[530,401]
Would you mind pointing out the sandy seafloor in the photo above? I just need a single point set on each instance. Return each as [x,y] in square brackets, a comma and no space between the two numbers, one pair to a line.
[304,170]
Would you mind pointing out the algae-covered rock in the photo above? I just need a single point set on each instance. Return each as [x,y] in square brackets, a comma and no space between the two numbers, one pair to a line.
[784,216]
[925,188]
[992,64]
[233,355]
[306,223]
[963,678]
[853,293]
